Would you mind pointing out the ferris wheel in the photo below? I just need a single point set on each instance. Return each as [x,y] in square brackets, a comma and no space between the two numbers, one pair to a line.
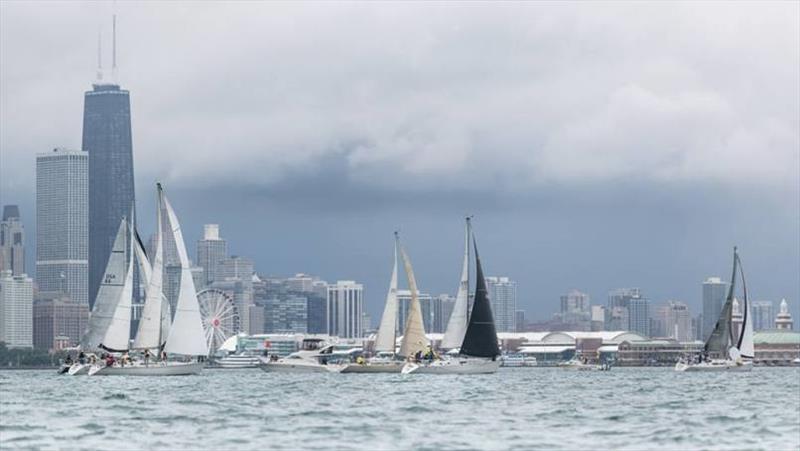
[220,317]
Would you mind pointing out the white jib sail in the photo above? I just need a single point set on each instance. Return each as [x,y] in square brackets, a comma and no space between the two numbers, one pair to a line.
[109,293]
[118,334]
[747,349]
[186,336]
[459,318]
[149,335]
[414,338]
[387,332]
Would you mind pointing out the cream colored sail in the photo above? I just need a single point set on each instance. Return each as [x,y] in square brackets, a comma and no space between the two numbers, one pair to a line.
[149,335]
[387,331]
[414,338]
[118,334]
[459,318]
[108,295]
[186,336]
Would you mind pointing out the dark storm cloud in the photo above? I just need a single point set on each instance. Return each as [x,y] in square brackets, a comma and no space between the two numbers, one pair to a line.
[563,125]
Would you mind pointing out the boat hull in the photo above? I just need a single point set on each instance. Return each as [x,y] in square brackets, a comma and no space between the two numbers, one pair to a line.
[453,366]
[237,363]
[725,365]
[78,369]
[388,367]
[156,369]
[279,367]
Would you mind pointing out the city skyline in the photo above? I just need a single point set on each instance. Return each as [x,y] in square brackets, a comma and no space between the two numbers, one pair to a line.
[629,221]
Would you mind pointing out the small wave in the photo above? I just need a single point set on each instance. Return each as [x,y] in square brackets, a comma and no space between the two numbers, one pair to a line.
[115,396]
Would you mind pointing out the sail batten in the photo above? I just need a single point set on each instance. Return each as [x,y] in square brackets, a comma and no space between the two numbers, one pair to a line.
[480,339]
[414,339]
[387,331]
[459,318]
[186,335]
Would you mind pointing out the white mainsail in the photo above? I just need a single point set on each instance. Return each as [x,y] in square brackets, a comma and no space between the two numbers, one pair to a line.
[387,332]
[186,336]
[414,338]
[459,318]
[150,333]
[108,295]
[746,347]
[118,334]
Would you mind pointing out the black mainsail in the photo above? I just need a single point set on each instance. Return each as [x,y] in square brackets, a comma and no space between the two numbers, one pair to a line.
[480,340]
[723,337]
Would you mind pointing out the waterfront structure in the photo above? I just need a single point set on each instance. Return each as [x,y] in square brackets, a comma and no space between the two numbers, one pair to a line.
[503,297]
[107,139]
[552,348]
[714,293]
[345,306]
[16,310]
[286,315]
[762,315]
[660,352]
[12,241]
[784,319]
[58,321]
[62,223]
[210,251]
[403,304]
[776,347]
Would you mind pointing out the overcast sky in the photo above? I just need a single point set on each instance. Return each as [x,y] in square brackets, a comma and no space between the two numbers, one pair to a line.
[600,145]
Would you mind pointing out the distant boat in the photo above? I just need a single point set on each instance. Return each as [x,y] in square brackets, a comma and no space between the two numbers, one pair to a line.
[725,350]
[479,350]
[385,360]
[183,337]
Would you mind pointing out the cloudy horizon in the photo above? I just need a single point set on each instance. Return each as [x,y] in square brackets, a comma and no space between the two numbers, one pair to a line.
[599,145]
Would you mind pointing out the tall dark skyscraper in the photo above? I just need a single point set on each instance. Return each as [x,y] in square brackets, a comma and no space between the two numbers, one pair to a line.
[107,139]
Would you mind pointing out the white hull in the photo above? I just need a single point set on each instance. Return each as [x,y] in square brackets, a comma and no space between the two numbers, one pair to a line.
[238,362]
[297,366]
[78,369]
[453,366]
[714,365]
[374,367]
[154,369]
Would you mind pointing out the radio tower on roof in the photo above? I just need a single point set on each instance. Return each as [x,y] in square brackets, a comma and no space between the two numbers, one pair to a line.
[99,55]
[114,43]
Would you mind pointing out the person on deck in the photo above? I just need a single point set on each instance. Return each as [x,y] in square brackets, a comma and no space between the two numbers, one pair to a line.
[146,357]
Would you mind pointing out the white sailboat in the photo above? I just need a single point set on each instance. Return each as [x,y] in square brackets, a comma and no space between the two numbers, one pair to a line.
[725,349]
[459,319]
[185,336]
[414,339]
[479,350]
[385,339]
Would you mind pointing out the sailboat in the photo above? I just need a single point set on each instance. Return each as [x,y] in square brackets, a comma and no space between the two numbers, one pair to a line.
[185,336]
[385,340]
[459,318]
[727,349]
[479,349]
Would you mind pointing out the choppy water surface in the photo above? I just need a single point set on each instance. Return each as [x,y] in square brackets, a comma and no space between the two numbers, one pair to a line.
[536,408]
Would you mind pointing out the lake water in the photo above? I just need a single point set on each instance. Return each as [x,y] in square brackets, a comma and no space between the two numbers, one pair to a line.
[522,408]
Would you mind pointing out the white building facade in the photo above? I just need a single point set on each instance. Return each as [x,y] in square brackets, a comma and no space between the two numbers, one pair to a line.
[345,309]
[503,295]
[16,310]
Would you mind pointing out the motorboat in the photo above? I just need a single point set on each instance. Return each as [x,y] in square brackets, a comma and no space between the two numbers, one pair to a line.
[517,361]
[298,362]
[240,360]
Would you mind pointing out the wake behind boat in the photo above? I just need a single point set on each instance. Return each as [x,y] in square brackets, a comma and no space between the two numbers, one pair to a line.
[726,349]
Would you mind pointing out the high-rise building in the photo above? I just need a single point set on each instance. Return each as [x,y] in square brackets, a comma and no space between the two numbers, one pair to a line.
[503,296]
[784,319]
[16,310]
[12,241]
[677,321]
[317,313]
[621,296]
[107,139]
[520,324]
[574,311]
[762,315]
[442,309]
[210,251]
[62,223]
[301,283]
[235,275]
[714,294]
[56,315]
[287,315]
[639,315]
[404,303]
[598,318]
[257,320]
[345,306]
[617,318]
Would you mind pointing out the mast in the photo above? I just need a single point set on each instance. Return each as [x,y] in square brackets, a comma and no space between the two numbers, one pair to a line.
[414,338]
[387,332]
[149,334]
[480,339]
[459,319]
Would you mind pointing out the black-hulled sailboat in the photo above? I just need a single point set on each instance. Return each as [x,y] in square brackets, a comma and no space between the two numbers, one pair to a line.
[728,349]
[479,350]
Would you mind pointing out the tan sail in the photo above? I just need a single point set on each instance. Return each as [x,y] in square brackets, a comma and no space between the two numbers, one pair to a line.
[414,338]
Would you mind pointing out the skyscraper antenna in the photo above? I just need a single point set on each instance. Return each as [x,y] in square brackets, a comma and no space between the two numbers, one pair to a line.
[114,43]
[99,55]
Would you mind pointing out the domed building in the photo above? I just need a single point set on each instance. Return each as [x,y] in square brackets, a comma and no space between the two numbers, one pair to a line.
[784,319]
